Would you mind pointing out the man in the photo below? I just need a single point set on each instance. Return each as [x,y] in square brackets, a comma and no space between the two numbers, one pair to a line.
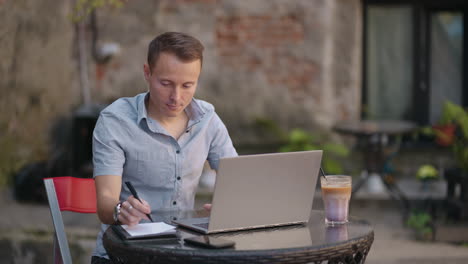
[159,141]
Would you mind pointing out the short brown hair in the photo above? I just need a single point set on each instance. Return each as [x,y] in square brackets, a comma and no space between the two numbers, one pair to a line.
[185,47]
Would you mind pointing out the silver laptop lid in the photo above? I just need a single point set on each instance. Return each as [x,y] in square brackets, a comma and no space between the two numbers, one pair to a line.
[264,190]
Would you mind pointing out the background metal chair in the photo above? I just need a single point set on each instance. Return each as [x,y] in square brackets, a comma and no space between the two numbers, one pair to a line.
[68,194]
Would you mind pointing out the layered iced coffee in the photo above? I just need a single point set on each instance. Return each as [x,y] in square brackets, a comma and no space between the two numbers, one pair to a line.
[336,193]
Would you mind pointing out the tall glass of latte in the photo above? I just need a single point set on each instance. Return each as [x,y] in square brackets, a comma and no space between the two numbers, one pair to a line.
[336,193]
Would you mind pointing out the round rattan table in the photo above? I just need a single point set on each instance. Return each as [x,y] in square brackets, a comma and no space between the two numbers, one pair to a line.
[312,243]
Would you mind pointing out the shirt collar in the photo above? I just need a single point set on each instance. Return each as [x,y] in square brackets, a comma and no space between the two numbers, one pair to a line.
[141,107]
[194,111]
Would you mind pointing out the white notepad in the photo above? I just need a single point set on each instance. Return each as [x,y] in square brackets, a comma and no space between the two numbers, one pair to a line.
[148,230]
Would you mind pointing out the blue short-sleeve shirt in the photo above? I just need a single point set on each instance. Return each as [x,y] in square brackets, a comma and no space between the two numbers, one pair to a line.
[127,143]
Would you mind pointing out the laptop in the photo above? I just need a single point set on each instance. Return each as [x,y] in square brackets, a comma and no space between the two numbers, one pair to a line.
[256,191]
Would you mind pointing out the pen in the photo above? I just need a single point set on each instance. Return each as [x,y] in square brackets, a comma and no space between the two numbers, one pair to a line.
[135,194]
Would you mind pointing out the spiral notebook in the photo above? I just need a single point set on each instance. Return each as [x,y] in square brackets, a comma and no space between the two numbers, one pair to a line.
[145,230]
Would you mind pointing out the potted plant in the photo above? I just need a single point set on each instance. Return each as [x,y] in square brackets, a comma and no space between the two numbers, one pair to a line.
[444,130]
[426,174]
[445,134]
[421,223]
[458,116]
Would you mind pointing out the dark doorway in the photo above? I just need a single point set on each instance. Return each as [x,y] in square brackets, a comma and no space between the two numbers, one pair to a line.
[414,58]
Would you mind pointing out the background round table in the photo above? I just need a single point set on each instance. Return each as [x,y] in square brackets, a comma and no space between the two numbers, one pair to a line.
[371,127]
[380,142]
[315,242]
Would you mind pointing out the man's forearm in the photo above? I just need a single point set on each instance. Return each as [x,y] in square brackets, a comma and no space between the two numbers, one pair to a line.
[106,211]
[107,194]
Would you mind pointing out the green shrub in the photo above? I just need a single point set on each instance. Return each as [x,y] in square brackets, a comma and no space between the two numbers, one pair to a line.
[301,140]
[421,223]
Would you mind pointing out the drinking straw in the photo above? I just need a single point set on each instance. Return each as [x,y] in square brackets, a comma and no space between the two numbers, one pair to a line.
[323,173]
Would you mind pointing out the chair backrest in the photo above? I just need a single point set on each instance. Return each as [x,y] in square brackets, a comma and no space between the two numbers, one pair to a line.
[68,194]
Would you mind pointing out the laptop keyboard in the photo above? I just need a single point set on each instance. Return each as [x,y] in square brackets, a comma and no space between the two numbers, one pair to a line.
[202,225]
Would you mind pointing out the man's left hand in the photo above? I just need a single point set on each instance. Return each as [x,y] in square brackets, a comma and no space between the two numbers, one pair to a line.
[207,207]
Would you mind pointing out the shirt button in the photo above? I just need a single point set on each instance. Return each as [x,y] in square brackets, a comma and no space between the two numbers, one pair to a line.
[178,178]
[174,218]
[187,131]
[174,202]
[178,151]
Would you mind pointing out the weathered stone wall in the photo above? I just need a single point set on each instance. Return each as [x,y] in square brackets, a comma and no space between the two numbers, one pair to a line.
[35,76]
[296,62]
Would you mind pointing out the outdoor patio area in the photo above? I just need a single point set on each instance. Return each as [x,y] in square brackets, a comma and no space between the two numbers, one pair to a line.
[26,234]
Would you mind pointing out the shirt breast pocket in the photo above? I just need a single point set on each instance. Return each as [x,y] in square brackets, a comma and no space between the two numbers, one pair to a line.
[156,169]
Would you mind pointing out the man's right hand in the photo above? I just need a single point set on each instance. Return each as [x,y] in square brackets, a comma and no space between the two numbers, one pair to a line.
[107,193]
[132,211]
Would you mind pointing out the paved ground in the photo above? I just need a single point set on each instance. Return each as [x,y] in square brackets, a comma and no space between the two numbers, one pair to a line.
[22,223]
[396,244]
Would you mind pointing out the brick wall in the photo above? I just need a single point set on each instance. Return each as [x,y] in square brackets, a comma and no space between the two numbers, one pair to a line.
[273,36]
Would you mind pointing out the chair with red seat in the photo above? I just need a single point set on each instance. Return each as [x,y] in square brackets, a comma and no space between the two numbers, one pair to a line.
[68,194]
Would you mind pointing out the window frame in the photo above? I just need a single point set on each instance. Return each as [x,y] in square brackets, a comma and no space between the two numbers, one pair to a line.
[421,23]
